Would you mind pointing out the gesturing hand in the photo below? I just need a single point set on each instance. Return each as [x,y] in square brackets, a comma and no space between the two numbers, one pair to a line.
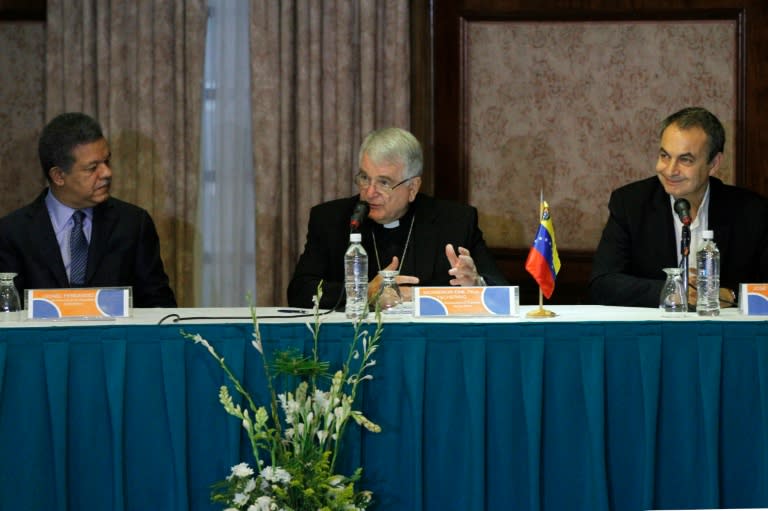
[463,267]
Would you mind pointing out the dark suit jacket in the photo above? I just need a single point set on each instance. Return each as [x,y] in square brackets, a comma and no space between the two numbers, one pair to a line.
[124,251]
[436,223]
[639,240]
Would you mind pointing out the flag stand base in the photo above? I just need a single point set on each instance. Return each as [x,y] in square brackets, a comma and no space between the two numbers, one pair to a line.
[541,312]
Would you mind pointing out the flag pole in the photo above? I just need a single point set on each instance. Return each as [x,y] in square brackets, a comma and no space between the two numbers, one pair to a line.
[541,312]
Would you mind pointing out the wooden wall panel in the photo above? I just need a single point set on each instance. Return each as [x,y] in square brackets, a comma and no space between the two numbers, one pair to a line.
[447,105]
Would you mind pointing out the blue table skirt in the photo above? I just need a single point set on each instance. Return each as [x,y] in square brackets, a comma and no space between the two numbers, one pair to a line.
[531,416]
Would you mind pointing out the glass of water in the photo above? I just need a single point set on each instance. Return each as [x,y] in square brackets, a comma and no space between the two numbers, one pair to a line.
[389,294]
[10,304]
[673,300]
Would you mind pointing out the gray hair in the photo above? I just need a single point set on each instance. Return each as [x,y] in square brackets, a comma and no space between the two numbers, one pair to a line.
[393,146]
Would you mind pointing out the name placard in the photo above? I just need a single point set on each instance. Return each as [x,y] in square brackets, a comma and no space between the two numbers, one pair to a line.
[466,301]
[753,299]
[79,303]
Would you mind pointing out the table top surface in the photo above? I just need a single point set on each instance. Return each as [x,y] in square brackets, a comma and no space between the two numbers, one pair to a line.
[563,314]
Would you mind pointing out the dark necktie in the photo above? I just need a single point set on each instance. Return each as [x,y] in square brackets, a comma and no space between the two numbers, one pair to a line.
[78,251]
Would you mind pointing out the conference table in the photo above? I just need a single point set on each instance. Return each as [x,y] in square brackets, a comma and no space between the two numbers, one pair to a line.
[598,408]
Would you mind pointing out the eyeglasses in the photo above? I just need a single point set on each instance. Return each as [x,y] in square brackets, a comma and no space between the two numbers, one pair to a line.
[380,184]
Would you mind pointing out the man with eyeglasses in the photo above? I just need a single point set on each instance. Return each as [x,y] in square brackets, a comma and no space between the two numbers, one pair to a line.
[431,242]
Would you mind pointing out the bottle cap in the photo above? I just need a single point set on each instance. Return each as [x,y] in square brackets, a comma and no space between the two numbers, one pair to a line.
[355,237]
[708,234]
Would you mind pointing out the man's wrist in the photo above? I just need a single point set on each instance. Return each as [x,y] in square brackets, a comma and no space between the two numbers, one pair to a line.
[480,281]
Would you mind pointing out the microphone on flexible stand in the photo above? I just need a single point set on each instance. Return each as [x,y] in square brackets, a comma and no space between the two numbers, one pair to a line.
[358,215]
[683,209]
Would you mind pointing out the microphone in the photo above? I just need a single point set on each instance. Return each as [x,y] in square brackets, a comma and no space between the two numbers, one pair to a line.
[683,210]
[358,215]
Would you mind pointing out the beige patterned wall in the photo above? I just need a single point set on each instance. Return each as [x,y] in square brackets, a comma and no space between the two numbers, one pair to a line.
[573,109]
[22,66]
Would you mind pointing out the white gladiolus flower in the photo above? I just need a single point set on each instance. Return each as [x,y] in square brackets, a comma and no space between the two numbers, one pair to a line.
[263,503]
[282,475]
[242,470]
[276,475]
[321,399]
[200,340]
[301,428]
[291,406]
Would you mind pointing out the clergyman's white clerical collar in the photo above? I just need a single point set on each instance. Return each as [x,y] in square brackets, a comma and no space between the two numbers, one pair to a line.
[392,225]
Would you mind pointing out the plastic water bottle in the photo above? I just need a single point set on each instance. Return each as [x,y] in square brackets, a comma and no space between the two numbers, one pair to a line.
[356,278]
[708,280]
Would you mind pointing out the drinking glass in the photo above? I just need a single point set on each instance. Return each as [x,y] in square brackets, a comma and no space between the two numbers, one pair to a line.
[389,294]
[10,304]
[673,300]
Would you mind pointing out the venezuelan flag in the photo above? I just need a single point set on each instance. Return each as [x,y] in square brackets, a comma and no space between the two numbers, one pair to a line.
[543,263]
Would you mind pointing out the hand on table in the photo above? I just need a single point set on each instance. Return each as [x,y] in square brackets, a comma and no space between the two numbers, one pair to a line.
[727,296]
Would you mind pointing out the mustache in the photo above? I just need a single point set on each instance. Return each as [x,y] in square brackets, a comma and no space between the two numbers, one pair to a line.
[105,182]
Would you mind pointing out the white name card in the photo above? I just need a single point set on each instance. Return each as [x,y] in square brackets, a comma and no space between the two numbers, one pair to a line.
[753,299]
[466,301]
[79,303]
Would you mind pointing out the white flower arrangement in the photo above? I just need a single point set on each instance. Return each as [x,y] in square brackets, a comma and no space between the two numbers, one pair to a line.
[296,443]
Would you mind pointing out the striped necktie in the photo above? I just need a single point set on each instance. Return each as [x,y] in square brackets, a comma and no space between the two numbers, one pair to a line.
[78,250]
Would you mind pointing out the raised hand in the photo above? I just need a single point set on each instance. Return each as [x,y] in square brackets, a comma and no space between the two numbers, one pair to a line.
[463,267]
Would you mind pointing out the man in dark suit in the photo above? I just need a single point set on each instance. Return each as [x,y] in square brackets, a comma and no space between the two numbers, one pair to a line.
[432,242]
[643,232]
[120,246]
